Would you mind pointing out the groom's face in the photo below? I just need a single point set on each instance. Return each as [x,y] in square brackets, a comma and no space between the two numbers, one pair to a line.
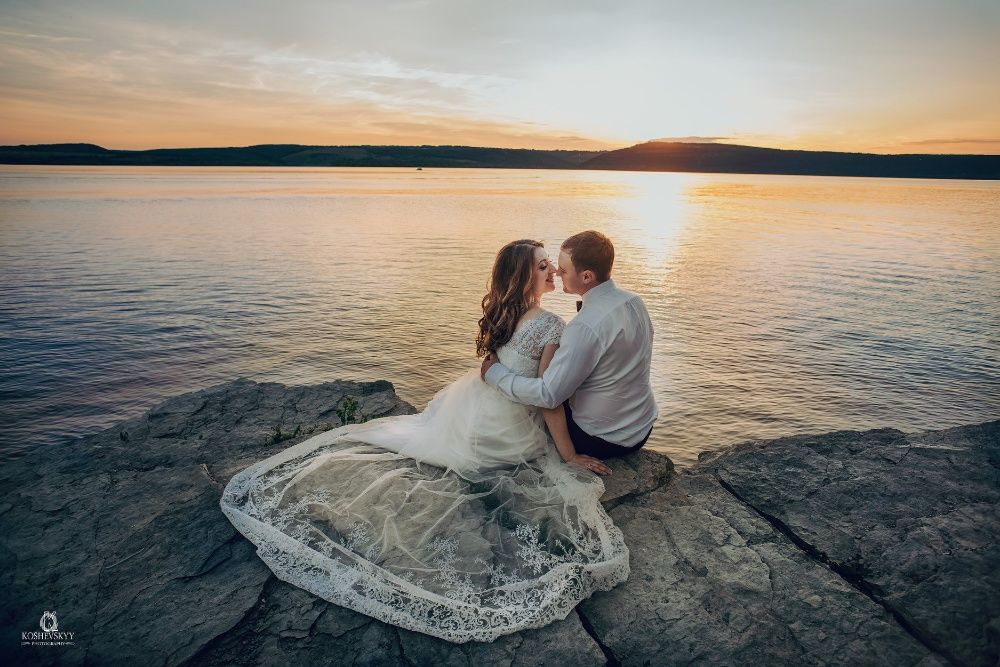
[567,273]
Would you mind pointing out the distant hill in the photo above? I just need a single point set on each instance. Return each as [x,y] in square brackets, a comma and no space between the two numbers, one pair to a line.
[730,158]
[294,155]
[651,156]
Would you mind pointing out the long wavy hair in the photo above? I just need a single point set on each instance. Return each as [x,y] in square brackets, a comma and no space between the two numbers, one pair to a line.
[508,295]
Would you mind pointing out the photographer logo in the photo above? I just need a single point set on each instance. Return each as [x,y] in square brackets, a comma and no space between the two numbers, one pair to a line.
[49,634]
[49,622]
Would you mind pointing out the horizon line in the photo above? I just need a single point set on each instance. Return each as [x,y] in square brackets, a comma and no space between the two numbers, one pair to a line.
[425,145]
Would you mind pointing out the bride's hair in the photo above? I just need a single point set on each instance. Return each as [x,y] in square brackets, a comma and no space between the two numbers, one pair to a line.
[508,295]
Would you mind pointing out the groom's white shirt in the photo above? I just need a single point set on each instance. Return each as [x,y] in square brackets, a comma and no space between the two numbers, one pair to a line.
[602,362]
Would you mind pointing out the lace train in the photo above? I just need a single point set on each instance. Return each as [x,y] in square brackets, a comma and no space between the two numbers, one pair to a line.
[423,548]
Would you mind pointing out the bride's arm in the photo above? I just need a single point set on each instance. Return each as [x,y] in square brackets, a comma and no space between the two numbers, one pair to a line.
[555,419]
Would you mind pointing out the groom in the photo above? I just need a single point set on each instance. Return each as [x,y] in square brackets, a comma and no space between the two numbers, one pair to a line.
[602,361]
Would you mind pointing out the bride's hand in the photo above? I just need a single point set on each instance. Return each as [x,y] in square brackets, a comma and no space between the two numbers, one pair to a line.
[596,466]
[488,361]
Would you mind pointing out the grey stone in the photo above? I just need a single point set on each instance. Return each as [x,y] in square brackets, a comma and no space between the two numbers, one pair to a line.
[635,475]
[125,540]
[913,520]
[713,583]
[863,548]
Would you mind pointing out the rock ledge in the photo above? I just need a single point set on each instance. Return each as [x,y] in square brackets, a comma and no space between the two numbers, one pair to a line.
[874,547]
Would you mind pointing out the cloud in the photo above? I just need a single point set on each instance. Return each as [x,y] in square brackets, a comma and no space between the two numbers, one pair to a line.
[368,77]
[136,61]
[936,142]
[187,89]
[45,38]
[694,139]
[802,75]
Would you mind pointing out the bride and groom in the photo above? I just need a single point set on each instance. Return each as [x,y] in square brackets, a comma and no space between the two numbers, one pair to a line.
[464,521]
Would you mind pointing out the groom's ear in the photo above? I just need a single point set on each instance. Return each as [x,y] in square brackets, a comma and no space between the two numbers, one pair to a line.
[589,277]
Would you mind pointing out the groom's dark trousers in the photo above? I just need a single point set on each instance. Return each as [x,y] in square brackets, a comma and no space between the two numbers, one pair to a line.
[591,445]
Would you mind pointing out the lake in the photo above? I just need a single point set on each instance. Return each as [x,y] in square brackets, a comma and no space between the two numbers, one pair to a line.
[782,304]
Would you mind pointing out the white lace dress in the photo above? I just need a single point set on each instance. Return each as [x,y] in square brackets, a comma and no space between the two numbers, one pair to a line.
[460,522]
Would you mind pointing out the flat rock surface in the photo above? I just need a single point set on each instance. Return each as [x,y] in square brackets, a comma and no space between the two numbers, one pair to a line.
[913,520]
[122,536]
[797,551]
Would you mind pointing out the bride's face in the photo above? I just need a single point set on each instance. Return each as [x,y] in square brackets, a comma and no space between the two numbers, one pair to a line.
[543,274]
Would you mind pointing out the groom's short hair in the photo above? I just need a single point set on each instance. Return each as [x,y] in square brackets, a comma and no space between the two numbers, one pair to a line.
[591,250]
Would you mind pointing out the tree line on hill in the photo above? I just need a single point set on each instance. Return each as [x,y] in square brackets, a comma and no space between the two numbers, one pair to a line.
[649,156]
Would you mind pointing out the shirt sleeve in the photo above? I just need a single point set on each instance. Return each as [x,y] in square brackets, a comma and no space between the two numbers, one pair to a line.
[578,354]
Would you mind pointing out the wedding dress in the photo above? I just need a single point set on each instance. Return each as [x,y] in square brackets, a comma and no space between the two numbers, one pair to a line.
[461,522]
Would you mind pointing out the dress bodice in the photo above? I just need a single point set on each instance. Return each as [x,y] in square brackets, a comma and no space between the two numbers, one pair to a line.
[522,353]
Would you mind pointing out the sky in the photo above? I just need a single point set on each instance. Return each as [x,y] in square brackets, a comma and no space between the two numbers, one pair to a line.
[885,76]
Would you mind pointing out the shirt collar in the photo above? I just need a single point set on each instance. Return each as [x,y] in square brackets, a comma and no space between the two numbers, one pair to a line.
[598,291]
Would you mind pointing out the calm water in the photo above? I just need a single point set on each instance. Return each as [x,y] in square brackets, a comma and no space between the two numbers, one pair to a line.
[782,304]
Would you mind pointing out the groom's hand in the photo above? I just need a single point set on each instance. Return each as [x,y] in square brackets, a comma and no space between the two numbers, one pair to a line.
[488,361]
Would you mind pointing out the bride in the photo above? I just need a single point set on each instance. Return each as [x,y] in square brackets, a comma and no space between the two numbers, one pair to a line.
[463,521]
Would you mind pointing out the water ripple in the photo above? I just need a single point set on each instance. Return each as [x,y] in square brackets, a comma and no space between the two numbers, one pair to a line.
[781,305]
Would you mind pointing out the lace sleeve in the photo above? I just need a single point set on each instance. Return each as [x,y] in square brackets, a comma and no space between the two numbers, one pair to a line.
[531,339]
[552,330]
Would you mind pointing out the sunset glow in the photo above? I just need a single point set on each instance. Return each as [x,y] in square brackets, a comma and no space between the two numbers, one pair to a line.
[897,76]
